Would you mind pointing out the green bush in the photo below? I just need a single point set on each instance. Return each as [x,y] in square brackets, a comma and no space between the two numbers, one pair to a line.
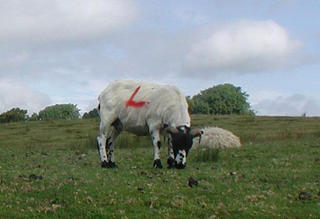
[198,106]
[92,114]
[34,117]
[221,99]
[13,115]
[60,111]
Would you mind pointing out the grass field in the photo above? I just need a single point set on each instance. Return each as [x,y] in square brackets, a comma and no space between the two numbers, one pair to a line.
[51,169]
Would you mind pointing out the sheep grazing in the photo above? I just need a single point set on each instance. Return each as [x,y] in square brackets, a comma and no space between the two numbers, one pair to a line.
[144,108]
[214,137]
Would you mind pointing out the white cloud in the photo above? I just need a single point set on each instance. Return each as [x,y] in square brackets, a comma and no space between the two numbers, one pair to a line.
[246,46]
[294,105]
[15,94]
[59,20]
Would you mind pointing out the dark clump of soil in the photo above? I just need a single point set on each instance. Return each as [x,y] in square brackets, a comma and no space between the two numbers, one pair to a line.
[143,173]
[35,177]
[304,196]
[140,189]
[192,181]
[281,185]
[45,154]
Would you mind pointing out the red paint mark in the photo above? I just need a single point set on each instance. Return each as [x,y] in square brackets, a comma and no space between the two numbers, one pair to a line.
[136,104]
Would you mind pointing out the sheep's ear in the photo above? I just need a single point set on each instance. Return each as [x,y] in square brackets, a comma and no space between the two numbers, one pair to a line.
[196,132]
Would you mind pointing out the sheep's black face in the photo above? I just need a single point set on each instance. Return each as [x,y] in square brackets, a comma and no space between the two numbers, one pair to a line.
[181,141]
[181,144]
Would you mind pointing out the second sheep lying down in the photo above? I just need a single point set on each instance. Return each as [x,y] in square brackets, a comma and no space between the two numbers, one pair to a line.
[215,137]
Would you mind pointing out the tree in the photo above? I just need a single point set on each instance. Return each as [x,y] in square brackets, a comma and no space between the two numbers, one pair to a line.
[13,115]
[34,117]
[198,106]
[221,99]
[60,111]
[92,114]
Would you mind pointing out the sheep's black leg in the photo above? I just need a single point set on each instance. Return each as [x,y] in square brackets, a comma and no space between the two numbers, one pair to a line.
[157,164]
[110,147]
[101,143]
[156,148]
[170,161]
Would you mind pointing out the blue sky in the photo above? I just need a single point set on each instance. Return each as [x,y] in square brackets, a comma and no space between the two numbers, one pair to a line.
[68,51]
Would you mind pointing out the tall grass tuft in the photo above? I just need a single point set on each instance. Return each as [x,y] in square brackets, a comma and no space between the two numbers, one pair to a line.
[124,140]
[89,142]
[207,154]
[127,140]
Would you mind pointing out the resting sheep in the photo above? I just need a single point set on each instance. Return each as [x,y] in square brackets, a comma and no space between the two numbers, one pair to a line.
[214,137]
[144,108]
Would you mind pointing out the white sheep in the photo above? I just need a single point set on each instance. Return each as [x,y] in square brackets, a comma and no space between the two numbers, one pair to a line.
[144,108]
[214,137]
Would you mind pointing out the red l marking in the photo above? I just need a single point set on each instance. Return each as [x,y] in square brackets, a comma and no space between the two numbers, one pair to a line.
[136,104]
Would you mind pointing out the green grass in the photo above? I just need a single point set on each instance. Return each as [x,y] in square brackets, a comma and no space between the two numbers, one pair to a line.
[51,169]
[207,154]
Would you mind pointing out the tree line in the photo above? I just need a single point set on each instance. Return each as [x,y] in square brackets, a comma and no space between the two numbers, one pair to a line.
[55,112]
[221,99]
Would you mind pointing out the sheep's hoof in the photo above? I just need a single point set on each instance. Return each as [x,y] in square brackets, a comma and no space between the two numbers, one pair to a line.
[112,165]
[109,164]
[180,166]
[170,163]
[157,164]
[105,164]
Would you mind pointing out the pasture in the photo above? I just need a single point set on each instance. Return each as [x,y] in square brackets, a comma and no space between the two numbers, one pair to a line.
[50,169]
